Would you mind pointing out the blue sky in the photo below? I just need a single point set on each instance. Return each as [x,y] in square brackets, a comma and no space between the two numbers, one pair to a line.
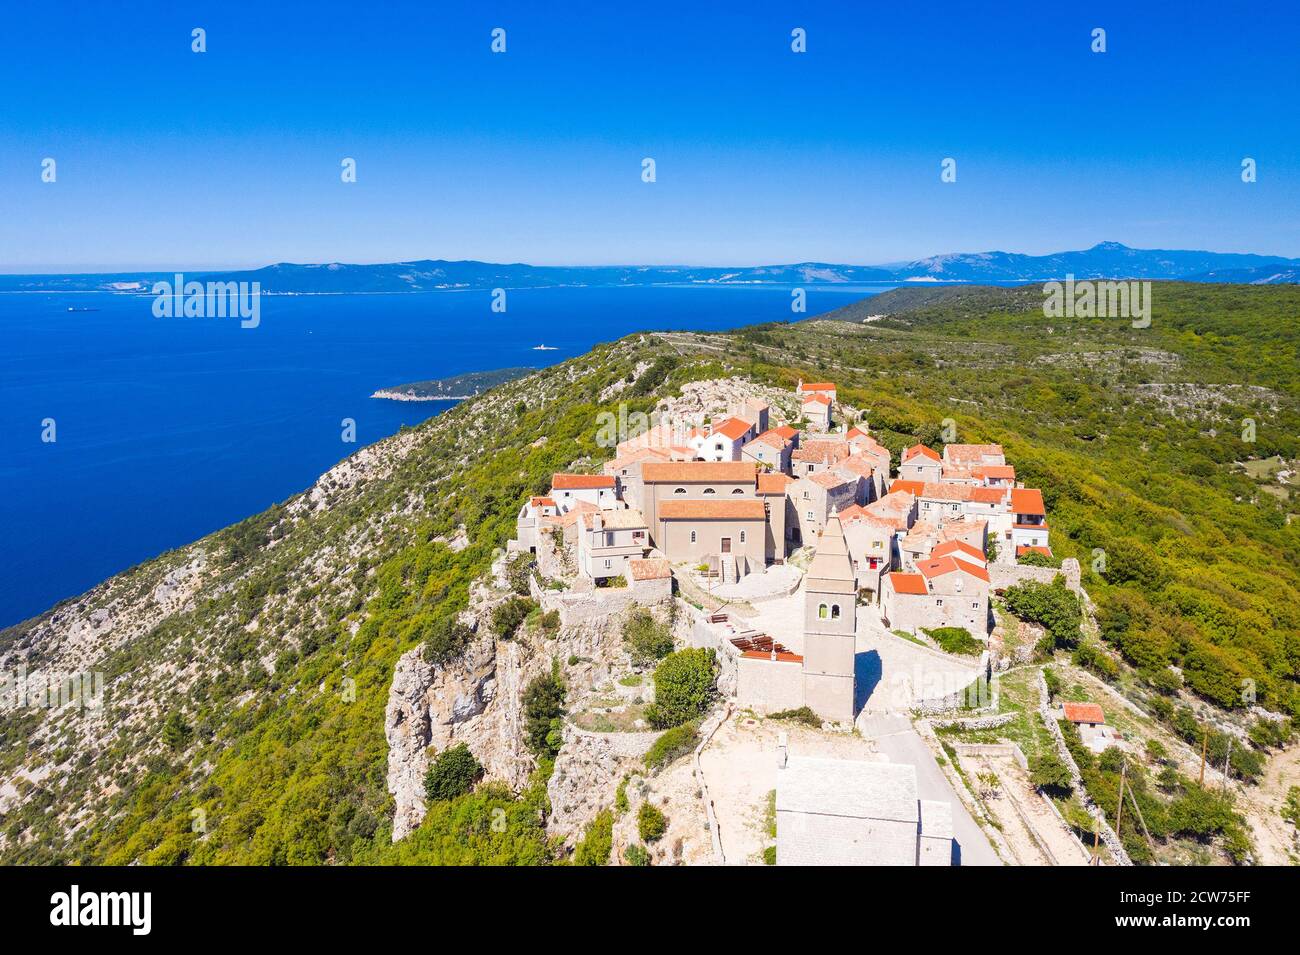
[167,158]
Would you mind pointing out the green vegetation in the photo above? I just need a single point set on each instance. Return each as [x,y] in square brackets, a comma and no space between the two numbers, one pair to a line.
[955,640]
[544,713]
[645,638]
[1053,605]
[803,715]
[452,773]
[672,745]
[1033,558]
[1048,772]
[636,855]
[1290,810]
[620,797]
[684,687]
[443,637]
[507,616]
[651,823]
[597,841]
[519,571]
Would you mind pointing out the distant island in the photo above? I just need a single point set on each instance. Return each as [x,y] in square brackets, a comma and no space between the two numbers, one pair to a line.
[455,388]
[1104,260]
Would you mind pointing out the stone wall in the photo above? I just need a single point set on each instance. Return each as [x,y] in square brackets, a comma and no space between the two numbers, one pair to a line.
[769,686]
[1108,835]
[1002,576]
[975,722]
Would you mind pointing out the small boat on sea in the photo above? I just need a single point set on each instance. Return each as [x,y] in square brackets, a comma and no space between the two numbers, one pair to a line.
[545,348]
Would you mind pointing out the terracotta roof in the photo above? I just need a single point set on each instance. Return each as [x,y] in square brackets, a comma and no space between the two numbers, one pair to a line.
[899,486]
[733,428]
[627,518]
[741,509]
[818,386]
[823,449]
[653,472]
[1084,713]
[920,449]
[958,547]
[653,569]
[828,479]
[971,453]
[895,507]
[770,438]
[773,483]
[1045,551]
[577,482]
[994,471]
[856,432]
[541,502]
[787,432]
[857,465]
[1027,501]
[819,399]
[938,566]
[907,583]
[632,457]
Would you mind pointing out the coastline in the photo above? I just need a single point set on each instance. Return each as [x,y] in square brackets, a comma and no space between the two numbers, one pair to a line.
[410,396]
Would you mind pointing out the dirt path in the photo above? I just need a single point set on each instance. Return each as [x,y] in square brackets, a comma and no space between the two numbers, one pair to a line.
[1274,839]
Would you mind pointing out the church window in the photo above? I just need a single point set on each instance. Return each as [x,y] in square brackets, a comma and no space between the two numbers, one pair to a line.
[692,537]
[835,611]
[742,537]
[679,490]
[737,490]
[822,612]
[710,490]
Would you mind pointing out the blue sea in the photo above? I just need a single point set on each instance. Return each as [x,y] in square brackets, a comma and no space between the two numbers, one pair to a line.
[167,429]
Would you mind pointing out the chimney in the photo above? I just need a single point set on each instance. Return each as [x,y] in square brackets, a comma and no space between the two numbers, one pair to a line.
[782,751]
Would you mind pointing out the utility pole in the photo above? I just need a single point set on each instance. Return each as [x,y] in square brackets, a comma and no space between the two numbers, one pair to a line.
[1227,765]
[1119,815]
[1205,741]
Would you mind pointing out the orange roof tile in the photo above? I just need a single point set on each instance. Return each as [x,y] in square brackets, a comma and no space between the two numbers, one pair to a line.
[899,486]
[1084,713]
[994,471]
[1027,501]
[541,502]
[958,546]
[655,472]
[1045,551]
[828,479]
[742,509]
[652,569]
[938,566]
[907,583]
[578,482]
[818,386]
[825,450]
[920,449]
[773,482]
[787,432]
[732,428]
[818,399]
[970,453]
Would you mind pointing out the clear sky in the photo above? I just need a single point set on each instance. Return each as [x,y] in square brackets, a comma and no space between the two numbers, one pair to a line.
[168,158]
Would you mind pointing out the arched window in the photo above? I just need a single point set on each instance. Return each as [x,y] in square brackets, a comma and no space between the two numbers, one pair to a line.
[679,490]
[822,612]
[835,611]
[710,490]
[692,537]
[742,537]
[738,490]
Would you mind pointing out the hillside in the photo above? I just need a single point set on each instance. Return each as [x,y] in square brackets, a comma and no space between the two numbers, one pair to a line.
[247,675]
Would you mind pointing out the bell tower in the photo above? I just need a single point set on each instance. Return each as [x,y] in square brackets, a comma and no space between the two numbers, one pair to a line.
[830,623]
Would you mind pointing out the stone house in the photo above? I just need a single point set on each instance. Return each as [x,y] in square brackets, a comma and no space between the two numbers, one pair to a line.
[818,454]
[824,388]
[1028,520]
[598,489]
[693,480]
[944,592]
[1090,721]
[870,540]
[608,539]
[770,451]
[838,812]
[813,499]
[724,441]
[531,519]
[772,492]
[816,410]
[651,580]
[626,468]
[727,534]
[919,463]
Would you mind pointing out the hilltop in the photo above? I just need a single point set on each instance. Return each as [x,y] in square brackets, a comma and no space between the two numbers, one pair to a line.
[248,675]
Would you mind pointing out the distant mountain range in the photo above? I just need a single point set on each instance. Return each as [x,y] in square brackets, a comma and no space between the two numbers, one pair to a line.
[1104,260]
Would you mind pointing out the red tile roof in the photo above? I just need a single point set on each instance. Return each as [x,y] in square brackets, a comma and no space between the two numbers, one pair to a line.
[1027,501]
[817,399]
[787,432]
[653,569]
[907,583]
[773,483]
[1084,713]
[741,509]
[971,453]
[577,482]
[920,449]
[818,386]
[541,502]
[1045,551]
[732,428]
[653,472]
[907,487]
[938,566]
[994,471]
[959,547]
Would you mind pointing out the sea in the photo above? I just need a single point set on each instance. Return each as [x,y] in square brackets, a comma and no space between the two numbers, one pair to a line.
[126,435]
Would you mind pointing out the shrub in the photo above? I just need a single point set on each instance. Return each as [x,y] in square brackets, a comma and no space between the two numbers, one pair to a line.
[651,824]
[1047,771]
[597,841]
[678,741]
[684,687]
[551,621]
[620,796]
[1156,750]
[543,712]
[519,570]
[1290,810]
[955,640]
[769,852]
[1033,558]
[645,638]
[442,638]
[802,715]
[452,773]
[1053,605]
[636,855]
[507,617]
[1053,681]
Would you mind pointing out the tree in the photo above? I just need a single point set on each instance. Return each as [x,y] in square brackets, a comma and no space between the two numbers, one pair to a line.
[597,841]
[543,711]
[452,773]
[645,638]
[636,855]
[1053,605]
[1047,771]
[507,616]
[651,823]
[443,637]
[519,570]
[684,687]
[176,732]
